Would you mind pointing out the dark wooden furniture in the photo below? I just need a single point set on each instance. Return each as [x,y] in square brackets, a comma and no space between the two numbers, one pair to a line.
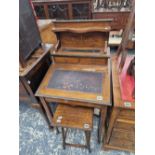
[63,9]
[76,118]
[120,133]
[31,75]
[118,10]
[79,76]
[119,18]
[121,126]
[114,4]
[34,56]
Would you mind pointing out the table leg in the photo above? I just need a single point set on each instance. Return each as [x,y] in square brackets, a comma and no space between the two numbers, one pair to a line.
[48,112]
[112,120]
[103,113]
[88,135]
[63,138]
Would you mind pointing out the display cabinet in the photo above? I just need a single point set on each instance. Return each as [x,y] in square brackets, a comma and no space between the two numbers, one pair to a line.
[63,9]
[118,10]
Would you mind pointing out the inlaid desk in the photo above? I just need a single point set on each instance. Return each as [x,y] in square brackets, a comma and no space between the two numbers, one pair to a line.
[78,85]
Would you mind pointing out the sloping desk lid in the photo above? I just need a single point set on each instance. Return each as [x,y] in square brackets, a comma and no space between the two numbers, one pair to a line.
[76,83]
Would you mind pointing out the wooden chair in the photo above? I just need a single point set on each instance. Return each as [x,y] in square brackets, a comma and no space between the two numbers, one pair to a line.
[81,118]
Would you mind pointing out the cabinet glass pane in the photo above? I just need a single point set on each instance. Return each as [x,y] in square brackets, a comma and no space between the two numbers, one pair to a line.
[80,11]
[58,11]
[39,9]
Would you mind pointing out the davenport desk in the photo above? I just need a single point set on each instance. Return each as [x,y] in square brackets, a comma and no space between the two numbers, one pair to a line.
[80,73]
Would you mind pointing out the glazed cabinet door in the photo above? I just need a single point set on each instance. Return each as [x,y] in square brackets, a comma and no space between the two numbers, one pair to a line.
[58,11]
[40,11]
[81,11]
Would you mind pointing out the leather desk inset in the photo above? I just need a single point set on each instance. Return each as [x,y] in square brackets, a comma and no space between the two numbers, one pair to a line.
[82,81]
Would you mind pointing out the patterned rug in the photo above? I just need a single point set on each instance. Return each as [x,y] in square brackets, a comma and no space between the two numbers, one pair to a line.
[37,139]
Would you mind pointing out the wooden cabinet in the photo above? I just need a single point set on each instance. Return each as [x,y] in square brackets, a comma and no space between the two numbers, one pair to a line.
[118,10]
[31,75]
[33,55]
[63,9]
[119,18]
[121,130]
[120,134]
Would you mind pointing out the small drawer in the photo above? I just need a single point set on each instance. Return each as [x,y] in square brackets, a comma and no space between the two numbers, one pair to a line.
[122,144]
[127,114]
[124,125]
[123,134]
[66,60]
[92,61]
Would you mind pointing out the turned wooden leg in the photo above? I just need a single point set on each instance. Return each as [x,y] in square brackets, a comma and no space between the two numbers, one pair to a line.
[103,113]
[88,135]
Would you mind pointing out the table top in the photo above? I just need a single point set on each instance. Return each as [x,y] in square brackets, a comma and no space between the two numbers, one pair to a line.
[70,117]
[84,83]
[35,58]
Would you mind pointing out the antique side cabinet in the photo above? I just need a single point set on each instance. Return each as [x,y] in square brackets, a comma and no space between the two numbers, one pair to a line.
[120,133]
[63,9]
[31,75]
[121,125]
[34,56]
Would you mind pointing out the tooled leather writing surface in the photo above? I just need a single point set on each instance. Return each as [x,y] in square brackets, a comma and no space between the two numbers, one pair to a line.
[83,81]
